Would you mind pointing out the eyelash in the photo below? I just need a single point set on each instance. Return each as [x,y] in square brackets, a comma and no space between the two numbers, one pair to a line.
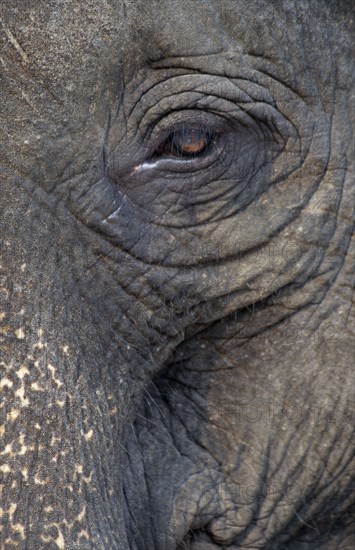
[173,146]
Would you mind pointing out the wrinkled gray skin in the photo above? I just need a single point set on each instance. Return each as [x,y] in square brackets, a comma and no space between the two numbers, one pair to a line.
[177,342]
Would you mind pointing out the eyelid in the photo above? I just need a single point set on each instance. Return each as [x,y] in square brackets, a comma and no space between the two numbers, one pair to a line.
[174,143]
[194,118]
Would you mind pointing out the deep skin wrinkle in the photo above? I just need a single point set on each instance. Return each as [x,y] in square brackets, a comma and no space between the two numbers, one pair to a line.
[176,330]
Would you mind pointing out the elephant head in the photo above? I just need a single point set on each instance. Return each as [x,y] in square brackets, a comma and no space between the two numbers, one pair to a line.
[176,275]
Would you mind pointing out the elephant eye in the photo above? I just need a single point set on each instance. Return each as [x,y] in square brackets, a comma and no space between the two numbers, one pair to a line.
[186,143]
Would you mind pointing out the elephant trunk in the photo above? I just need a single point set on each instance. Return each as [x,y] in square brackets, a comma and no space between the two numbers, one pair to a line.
[60,420]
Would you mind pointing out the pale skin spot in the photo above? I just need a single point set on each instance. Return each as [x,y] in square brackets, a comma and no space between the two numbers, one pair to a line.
[6,382]
[20,529]
[13,414]
[61,403]
[23,267]
[39,481]
[60,540]
[24,447]
[88,435]
[36,387]
[79,468]
[5,292]
[88,479]
[7,450]
[2,429]
[66,349]
[20,333]
[12,510]
[22,312]
[22,371]
[40,333]
[39,345]
[83,535]
[24,472]
[53,440]
[21,394]
[2,316]
[11,542]
[5,468]
[81,516]
[48,509]
[52,370]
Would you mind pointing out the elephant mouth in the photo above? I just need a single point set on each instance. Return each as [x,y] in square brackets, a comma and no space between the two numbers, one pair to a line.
[173,481]
[200,540]
[190,481]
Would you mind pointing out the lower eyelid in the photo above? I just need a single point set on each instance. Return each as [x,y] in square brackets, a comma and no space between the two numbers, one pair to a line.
[188,164]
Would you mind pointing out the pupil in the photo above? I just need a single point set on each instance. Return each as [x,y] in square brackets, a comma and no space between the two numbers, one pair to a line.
[193,142]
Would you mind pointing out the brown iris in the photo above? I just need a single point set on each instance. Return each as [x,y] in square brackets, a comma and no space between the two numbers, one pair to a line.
[186,143]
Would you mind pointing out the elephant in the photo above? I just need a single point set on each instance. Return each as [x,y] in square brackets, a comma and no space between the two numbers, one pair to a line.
[177,253]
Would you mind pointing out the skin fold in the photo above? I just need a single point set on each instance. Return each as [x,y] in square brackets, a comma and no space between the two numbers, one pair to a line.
[176,275]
